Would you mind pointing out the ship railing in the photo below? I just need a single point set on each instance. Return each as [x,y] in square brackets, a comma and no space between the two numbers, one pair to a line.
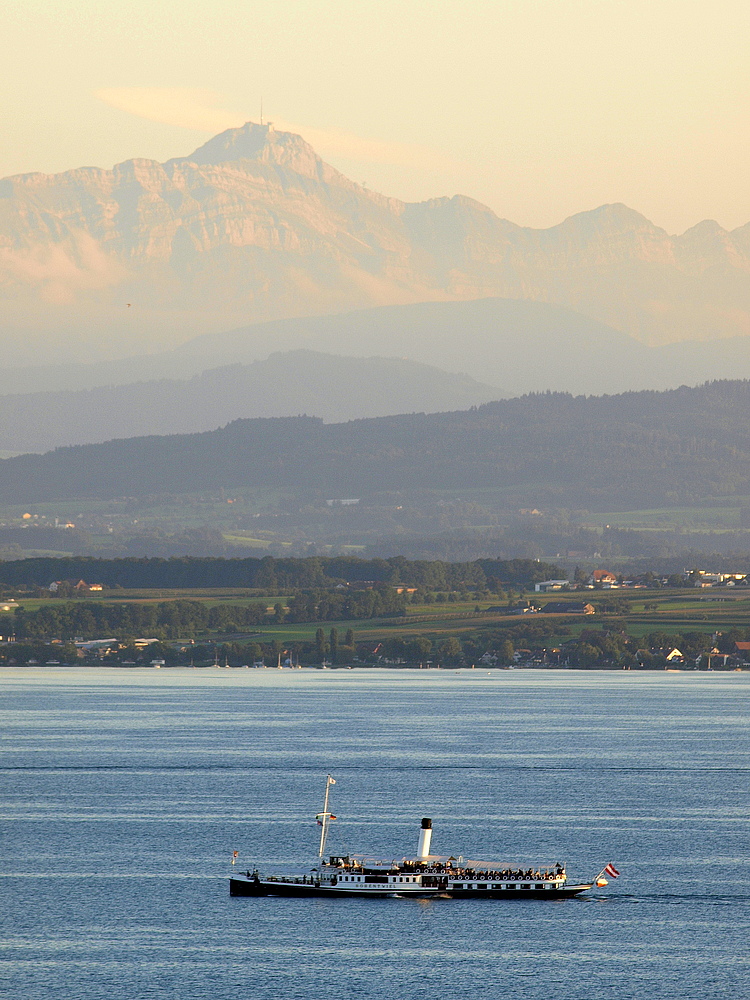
[288,880]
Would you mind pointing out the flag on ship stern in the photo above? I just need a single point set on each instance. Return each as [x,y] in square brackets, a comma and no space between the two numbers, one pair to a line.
[609,870]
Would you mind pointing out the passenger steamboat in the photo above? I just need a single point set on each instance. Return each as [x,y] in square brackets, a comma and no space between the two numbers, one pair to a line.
[425,875]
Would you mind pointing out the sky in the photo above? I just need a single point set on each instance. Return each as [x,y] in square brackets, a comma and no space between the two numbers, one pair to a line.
[537,108]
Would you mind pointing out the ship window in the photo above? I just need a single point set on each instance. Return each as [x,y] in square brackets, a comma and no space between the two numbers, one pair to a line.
[525,886]
[539,886]
[497,886]
[458,885]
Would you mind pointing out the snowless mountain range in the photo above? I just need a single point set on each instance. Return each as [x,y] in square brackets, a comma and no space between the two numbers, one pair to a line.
[118,287]
[254,226]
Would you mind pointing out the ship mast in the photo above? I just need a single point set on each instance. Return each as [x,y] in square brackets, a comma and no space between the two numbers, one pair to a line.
[324,818]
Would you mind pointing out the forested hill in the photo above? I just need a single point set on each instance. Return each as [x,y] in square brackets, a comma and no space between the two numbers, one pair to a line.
[647,448]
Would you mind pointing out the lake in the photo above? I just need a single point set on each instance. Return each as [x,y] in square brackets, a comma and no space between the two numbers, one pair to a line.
[125,792]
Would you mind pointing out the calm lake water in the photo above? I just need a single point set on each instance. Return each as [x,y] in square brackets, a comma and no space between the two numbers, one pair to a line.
[124,794]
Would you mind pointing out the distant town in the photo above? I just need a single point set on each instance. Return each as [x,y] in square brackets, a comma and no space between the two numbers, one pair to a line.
[340,613]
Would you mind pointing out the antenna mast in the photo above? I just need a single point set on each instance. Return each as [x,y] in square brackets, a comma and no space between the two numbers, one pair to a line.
[325,818]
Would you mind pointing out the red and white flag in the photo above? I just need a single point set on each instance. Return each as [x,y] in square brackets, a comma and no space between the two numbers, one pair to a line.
[611,871]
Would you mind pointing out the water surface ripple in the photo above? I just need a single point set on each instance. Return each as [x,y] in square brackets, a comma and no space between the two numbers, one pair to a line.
[124,794]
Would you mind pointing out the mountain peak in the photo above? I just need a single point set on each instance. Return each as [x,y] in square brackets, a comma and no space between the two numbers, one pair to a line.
[250,142]
[615,217]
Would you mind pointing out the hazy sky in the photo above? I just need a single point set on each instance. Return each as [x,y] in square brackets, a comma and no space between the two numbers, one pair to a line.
[538,108]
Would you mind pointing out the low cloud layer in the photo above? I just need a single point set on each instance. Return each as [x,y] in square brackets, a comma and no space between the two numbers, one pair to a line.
[59,272]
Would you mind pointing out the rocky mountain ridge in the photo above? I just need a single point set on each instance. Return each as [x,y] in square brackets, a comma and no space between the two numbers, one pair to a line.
[254,226]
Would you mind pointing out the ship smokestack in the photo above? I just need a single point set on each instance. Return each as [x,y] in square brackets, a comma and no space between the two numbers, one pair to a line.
[425,836]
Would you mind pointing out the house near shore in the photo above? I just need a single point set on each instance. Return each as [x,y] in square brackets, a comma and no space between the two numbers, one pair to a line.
[568,608]
[102,647]
[74,586]
[77,585]
[602,578]
[702,578]
[522,655]
[670,653]
[545,586]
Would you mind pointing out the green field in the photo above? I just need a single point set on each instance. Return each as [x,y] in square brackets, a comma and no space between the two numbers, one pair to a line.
[670,611]
[716,516]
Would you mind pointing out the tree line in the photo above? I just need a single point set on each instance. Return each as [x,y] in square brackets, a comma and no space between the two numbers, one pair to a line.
[269,573]
[185,619]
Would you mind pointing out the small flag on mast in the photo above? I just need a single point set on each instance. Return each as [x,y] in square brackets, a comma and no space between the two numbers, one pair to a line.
[321,817]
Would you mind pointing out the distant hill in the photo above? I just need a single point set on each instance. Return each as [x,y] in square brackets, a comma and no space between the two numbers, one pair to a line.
[637,449]
[519,345]
[515,345]
[254,226]
[334,388]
